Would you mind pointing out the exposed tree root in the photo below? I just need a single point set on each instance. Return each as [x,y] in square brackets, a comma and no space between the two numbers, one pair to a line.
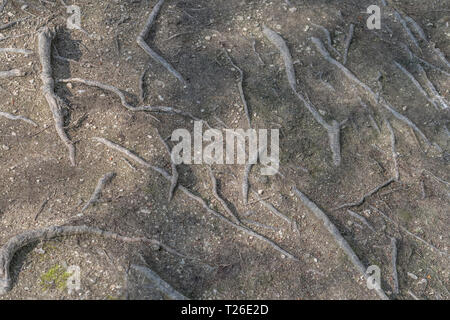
[393,150]
[271,208]
[371,116]
[175,175]
[377,99]
[416,84]
[434,92]
[328,36]
[17,242]
[394,264]
[340,240]
[241,88]
[159,283]
[348,42]
[45,38]
[141,41]
[13,117]
[367,195]
[119,93]
[198,199]
[142,92]
[362,219]
[219,198]
[407,30]
[11,74]
[102,182]
[433,248]
[15,50]
[256,52]
[3,5]
[333,129]
[245,183]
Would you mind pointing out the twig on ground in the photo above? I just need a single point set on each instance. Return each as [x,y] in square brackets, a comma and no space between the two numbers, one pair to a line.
[367,195]
[340,240]
[102,182]
[394,264]
[241,88]
[141,41]
[175,175]
[416,84]
[13,117]
[361,218]
[433,248]
[13,245]
[393,150]
[333,129]
[159,283]
[348,41]
[198,199]
[45,38]
[220,199]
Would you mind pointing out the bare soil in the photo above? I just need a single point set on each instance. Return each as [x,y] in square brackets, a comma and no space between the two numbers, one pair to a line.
[36,175]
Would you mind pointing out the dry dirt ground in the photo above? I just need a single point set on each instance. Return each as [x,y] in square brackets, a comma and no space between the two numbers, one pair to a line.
[40,188]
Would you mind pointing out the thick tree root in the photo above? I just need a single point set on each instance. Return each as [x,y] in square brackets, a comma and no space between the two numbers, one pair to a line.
[198,199]
[328,36]
[333,129]
[340,240]
[159,283]
[13,117]
[141,41]
[102,182]
[16,243]
[45,38]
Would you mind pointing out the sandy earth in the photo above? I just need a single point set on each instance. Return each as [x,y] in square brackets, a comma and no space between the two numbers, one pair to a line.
[40,188]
